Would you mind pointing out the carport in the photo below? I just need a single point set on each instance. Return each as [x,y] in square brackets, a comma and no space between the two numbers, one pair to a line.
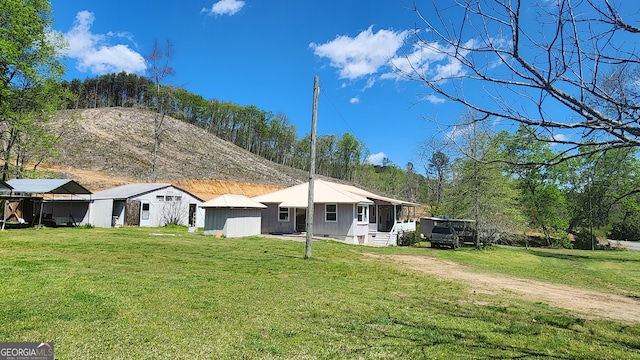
[46,201]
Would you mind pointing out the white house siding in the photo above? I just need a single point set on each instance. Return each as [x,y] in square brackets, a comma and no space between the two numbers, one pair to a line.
[103,210]
[232,223]
[160,210]
[100,213]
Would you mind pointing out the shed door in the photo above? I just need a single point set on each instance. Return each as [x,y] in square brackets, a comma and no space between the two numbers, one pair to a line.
[192,214]
[132,213]
[145,214]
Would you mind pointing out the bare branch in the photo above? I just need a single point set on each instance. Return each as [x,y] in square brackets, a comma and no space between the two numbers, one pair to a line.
[557,76]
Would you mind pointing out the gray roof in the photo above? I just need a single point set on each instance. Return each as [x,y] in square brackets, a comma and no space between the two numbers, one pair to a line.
[233,201]
[131,190]
[4,187]
[47,186]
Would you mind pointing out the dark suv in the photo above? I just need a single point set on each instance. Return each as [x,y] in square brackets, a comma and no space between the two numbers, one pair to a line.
[444,236]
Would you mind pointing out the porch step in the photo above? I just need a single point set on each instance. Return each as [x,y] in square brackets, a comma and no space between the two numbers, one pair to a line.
[380,239]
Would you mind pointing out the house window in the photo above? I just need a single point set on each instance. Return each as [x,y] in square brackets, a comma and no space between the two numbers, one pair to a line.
[362,214]
[145,211]
[372,214]
[159,198]
[330,212]
[283,214]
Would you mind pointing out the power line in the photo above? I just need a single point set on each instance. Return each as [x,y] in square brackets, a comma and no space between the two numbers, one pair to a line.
[341,117]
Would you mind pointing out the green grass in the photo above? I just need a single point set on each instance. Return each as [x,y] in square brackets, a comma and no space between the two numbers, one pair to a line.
[616,272]
[126,294]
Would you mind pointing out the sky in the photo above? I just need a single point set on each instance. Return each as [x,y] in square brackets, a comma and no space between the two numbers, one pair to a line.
[266,53]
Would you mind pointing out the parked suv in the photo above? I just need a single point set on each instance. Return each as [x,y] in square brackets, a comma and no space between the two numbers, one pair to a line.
[444,236]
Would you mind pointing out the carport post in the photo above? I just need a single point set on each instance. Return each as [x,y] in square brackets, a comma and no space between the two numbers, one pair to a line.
[41,210]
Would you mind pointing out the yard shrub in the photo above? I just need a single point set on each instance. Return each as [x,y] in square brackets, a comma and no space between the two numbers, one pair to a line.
[409,238]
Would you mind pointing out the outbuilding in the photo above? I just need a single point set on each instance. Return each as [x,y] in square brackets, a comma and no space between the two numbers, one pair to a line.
[49,202]
[145,204]
[232,216]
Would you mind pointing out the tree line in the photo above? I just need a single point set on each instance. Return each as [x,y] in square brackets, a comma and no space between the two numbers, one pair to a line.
[499,180]
[264,133]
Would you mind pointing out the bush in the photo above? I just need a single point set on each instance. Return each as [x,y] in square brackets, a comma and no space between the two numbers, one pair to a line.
[561,242]
[584,241]
[409,238]
[625,230]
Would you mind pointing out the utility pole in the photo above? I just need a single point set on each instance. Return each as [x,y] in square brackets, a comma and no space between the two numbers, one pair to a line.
[312,167]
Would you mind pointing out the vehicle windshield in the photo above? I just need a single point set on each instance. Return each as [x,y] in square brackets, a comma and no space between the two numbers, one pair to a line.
[441,230]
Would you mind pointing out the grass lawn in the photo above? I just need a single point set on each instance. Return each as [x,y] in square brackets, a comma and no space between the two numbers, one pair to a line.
[127,294]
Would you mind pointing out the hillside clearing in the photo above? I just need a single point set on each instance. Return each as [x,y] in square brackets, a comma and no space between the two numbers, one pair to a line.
[117,142]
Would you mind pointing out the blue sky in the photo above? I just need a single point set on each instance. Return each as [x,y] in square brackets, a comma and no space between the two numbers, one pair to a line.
[266,53]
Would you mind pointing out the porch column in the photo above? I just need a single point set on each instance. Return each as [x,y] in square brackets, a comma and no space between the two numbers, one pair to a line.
[395,214]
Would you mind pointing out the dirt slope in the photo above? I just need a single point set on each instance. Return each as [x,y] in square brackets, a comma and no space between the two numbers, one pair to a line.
[106,147]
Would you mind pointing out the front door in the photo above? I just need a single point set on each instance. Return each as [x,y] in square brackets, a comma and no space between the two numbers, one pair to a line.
[385,218]
[301,220]
[145,214]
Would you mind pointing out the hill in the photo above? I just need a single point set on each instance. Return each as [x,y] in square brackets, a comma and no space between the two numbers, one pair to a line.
[107,147]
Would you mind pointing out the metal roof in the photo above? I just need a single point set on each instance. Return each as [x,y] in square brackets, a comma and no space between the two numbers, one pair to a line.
[47,186]
[4,187]
[373,196]
[232,201]
[323,192]
[131,190]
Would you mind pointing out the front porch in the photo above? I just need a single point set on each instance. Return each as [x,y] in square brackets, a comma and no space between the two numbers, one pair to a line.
[386,221]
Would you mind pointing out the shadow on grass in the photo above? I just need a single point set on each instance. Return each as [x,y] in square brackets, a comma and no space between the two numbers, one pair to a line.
[489,332]
[579,256]
[426,341]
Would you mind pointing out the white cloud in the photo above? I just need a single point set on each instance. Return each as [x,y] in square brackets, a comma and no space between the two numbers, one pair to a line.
[354,100]
[370,82]
[225,7]
[94,54]
[459,132]
[434,99]
[362,55]
[560,137]
[433,61]
[375,159]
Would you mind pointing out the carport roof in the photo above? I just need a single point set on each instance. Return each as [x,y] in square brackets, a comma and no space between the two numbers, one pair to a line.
[47,186]
[4,187]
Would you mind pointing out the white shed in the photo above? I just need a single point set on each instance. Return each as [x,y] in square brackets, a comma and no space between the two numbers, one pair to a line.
[232,216]
[145,204]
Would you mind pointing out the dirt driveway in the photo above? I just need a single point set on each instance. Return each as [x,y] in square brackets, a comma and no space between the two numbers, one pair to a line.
[586,302]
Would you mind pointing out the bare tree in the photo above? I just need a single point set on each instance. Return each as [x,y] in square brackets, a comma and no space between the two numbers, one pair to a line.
[530,63]
[158,61]
[174,211]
